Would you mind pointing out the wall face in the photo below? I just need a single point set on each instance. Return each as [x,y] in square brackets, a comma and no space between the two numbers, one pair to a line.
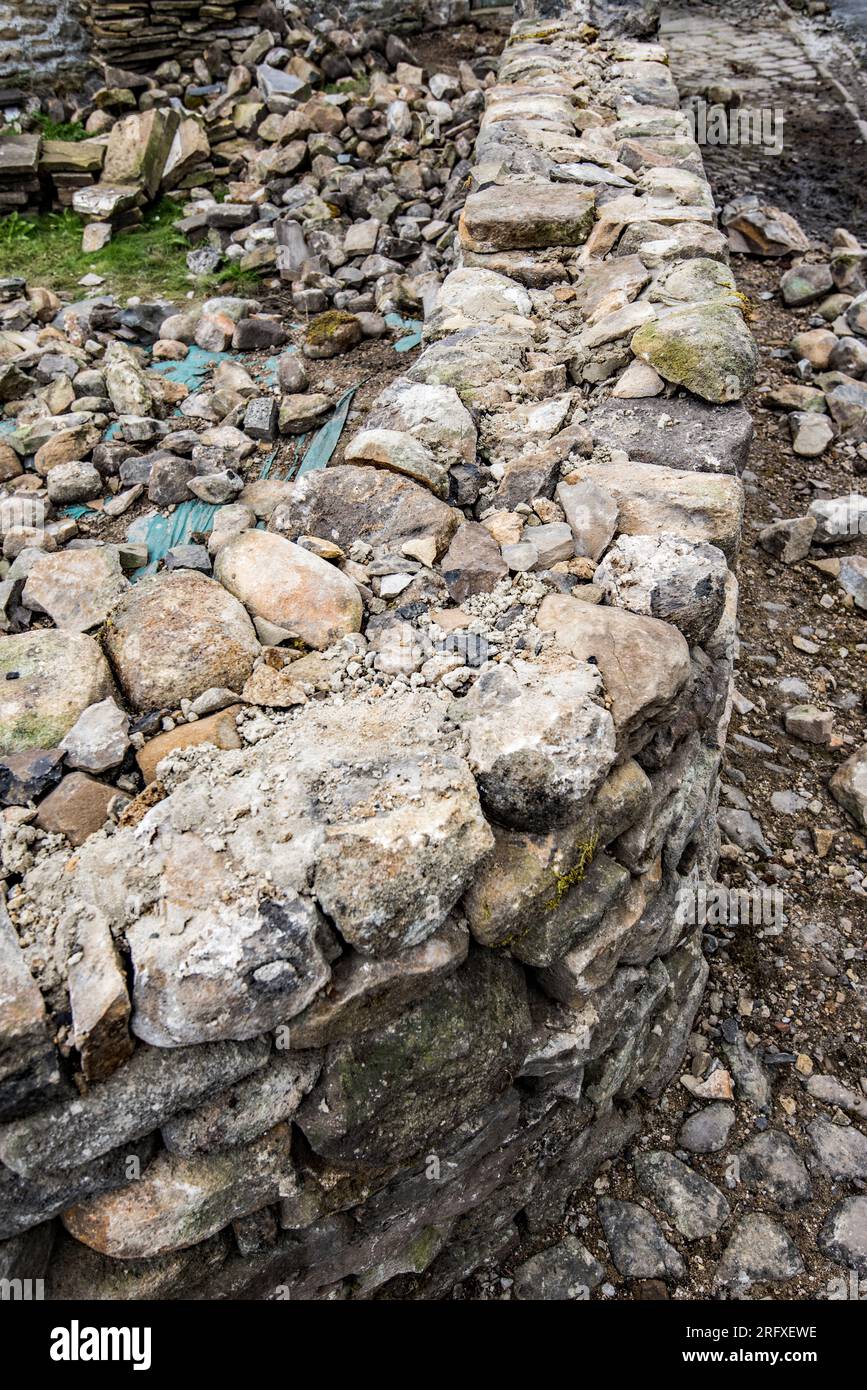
[41,36]
[427,987]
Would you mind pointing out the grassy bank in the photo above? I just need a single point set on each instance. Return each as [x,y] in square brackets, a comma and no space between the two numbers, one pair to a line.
[150,261]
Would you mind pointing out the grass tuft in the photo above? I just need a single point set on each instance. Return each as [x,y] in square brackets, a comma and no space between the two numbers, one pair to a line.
[150,261]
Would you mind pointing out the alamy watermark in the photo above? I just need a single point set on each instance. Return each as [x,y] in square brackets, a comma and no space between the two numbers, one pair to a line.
[761,126]
[713,905]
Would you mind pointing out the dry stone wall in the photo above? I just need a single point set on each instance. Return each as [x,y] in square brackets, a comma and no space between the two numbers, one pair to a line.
[41,37]
[330,1010]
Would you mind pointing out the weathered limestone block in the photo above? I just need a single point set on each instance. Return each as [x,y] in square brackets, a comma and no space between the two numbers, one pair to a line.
[665,577]
[432,414]
[682,433]
[76,588]
[178,1202]
[707,348]
[653,501]
[590,964]
[469,296]
[571,912]
[399,452]
[527,215]
[49,679]
[644,663]
[395,1092]
[540,743]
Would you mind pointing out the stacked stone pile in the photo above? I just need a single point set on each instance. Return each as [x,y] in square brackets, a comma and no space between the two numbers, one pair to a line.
[280,144]
[345,854]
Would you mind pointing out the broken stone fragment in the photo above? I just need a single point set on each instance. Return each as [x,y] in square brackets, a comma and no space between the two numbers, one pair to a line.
[469,296]
[843,1237]
[848,786]
[289,586]
[76,588]
[49,679]
[473,563]
[592,514]
[638,1248]
[612,905]
[578,904]
[839,519]
[694,1206]
[811,433]
[138,148]
[218,728]
[24,777]
[759,1251]
[77,808]
[788,540]
[433,414]
[125,382]
[233,970]
[665,577]
[805,283]
[178,1201]
[175,635]
[298,414]
[758,229]
[28,1063]
[99,1001]
[383,891]
[540,743]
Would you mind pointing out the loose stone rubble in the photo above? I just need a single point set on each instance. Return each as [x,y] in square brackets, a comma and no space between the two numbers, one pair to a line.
[373,951]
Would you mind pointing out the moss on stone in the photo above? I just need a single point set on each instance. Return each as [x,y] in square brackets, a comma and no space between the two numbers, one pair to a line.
[326,326]
[563,882]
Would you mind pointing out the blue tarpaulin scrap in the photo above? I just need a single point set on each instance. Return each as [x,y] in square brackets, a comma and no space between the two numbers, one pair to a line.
[414,328]
[324,441]
[162,533]
[192,370]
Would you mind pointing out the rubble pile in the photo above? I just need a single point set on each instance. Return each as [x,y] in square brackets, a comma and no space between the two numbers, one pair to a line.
[345,841]
[278,144]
